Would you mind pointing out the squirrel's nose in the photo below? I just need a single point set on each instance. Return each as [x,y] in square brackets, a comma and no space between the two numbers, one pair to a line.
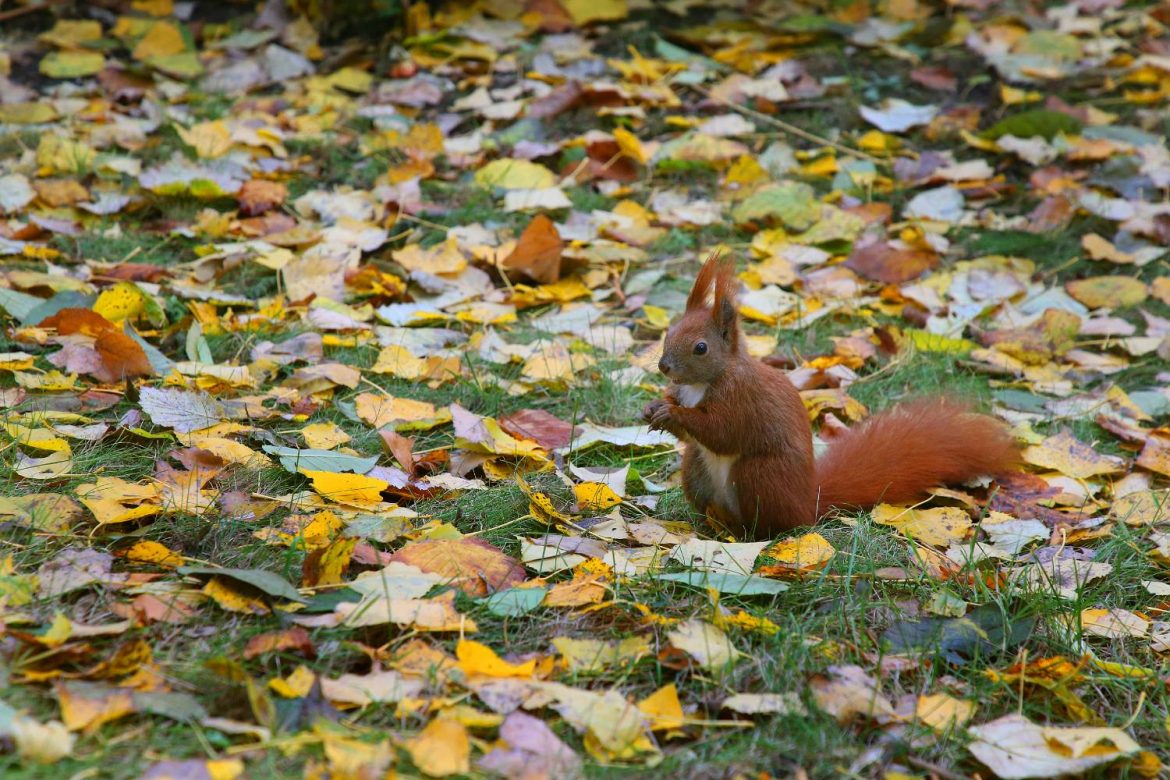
[663,366]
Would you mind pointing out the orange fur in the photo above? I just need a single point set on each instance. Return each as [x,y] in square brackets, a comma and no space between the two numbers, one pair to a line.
[896,455]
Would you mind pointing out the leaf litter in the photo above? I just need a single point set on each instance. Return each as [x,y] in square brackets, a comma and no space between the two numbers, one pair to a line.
[322,360]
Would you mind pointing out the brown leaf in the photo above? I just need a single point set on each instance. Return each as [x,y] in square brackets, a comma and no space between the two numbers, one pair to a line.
[60,192]
[136,272]
[475,566]
[164,608]
[538,251]
[1053,213]
[84,321]
[556,102]
[881,262]
[399,446]
[122,357]
[1155,456]
[937,77]
[537,425]
[260,195]
[553,17]
[295,638]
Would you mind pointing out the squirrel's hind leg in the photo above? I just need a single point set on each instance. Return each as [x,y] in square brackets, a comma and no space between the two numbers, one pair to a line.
[774,495]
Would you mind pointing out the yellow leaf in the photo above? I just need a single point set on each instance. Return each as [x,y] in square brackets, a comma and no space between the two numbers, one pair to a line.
[663,708]
[1114,623]
[630,145]
[58,632]
[331,565]
[347,488]
[806,552]
[1072,457]
[596,655]
[90,708]
[444,258]
[925,341]
[510,174]
[153,552]
[53,466]
[479,659]
[108,511]
[596,495]
[657,317]
[441,749]
[163,39]
[707,644]
[381,410]
[877,141]
[943,712]
[155,8]
[119,302]
[746,170]
[1113,292]
[398,361]
[72,64]
[208,139]
[231,451]
[938,526]
[585,12]
[232,598]
[1011,96]
[296,685]
[351,80]
[27,113]
[72,33]
[324,436]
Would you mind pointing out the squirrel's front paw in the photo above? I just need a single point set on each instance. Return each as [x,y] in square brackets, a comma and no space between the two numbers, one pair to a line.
[658,414]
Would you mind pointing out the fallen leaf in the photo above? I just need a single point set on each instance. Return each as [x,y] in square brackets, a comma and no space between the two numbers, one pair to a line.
[1015,747]
[441,749]
[470,563]
[708,645]
[538,252]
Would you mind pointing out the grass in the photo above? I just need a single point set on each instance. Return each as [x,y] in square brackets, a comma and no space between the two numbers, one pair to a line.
[871,596]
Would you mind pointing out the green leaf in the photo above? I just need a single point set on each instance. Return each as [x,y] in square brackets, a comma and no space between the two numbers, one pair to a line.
[69,299]
[515,602]
[295,460]
[266,581]
[727,582]
[182,707]
[1041,121]
[72,64]
[161,364]
[18,304]
[984,630]
[327,601]
[793,203]
[925,341]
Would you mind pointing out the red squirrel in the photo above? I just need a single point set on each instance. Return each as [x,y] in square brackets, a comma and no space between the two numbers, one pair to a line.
[748,459]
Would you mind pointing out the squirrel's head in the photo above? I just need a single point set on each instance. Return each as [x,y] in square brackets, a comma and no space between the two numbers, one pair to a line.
[699,347]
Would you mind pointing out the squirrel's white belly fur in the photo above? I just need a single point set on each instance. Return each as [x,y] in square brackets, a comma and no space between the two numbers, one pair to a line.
[718,466]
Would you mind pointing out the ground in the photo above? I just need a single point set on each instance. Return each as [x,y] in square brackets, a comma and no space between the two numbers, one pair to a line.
[280,296]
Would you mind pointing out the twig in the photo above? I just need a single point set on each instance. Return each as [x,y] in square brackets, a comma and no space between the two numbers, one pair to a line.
[926,766]
[28,9]
[790,128]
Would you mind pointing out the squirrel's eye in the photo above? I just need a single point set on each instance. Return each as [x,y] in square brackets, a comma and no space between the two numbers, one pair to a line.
[701,348]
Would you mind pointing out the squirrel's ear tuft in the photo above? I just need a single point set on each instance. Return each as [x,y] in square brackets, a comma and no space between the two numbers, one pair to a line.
[703,283]
[725,312]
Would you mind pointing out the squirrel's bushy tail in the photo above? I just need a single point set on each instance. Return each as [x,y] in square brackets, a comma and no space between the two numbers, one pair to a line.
[895,456]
